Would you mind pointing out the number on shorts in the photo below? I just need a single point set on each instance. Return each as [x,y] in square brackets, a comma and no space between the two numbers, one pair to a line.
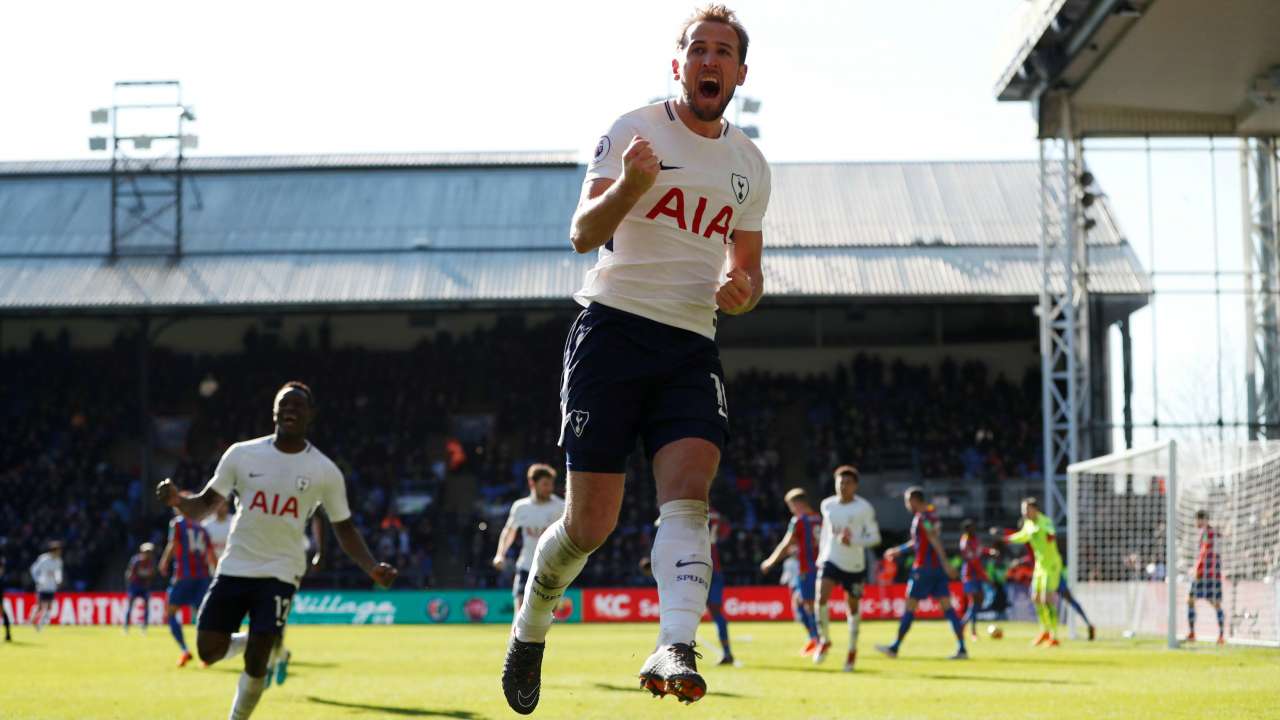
[720,399]
[282,610]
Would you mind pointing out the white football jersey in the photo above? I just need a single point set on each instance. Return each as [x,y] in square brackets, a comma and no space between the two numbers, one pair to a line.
[854,521]
[218,531]
[668,256]
[46,572]
[532,518]
[278,491]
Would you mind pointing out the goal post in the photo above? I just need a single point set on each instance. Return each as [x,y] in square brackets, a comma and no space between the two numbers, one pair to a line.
[1133,541]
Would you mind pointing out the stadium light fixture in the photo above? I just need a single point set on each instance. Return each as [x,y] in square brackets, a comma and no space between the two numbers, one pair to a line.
[101,116]
[97,143]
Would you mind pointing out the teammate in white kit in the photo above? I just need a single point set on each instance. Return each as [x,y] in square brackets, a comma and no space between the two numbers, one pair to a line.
[673,203]
[529,517]
[46,573]
[219,527]
[848,529]
[280,480]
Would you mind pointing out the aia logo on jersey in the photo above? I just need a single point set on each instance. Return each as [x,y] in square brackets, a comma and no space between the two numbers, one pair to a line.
[289,507]
[740,186]
[673,206]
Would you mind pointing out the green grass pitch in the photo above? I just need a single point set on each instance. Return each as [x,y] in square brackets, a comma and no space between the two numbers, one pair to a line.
[452,672]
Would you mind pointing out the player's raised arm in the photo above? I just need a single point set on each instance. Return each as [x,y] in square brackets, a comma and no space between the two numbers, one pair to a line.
[605,202]
[195,507]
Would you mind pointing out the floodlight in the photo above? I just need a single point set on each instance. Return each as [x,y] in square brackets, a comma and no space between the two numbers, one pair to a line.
[101,116]
[97,143]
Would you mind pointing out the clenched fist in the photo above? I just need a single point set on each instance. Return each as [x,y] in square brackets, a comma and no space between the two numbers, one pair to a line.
[734,294]
[639,167]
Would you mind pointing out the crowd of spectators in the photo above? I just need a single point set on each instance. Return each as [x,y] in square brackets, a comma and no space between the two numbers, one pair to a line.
[434,442]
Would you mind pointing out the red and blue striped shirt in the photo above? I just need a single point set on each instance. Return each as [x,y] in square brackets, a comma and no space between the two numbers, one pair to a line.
[1208,566]
[926,555]
[804,531]
[191,544]
[719,528]
[971,553]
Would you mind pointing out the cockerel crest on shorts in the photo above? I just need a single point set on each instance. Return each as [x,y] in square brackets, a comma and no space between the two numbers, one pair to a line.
[578,421]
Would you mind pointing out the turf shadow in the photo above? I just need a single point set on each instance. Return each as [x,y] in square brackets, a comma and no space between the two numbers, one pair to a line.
[404,711]
[637,688]
[833,670]
[1009,680]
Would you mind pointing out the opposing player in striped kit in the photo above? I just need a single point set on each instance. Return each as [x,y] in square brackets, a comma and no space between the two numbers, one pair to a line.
[191,551]
[802,534]
[848,529]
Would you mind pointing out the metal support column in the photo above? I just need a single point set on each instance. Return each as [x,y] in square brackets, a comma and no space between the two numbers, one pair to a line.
[1260,200]
[1064,311]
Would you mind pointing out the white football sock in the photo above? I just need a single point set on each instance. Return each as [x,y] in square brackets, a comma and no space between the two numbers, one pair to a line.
[247,694]
[681,563]
[824,622]
[556,563]
[854,621]
[236,646]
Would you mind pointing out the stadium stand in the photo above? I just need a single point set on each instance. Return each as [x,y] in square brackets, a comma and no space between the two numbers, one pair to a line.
[425,299]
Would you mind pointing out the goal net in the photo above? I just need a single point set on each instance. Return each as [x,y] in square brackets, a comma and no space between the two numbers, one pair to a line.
[1135,549]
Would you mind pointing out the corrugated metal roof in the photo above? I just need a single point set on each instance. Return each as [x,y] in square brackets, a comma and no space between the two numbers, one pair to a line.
[252,163]
[920,203]
[213,282]
[344,235]
[322,210]
[469,207]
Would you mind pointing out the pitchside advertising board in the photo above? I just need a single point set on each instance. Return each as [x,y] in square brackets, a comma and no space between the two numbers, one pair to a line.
[422,607]
[756,602]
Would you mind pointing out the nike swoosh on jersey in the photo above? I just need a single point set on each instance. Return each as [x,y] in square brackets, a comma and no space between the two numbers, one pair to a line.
[664,166]
[687,563]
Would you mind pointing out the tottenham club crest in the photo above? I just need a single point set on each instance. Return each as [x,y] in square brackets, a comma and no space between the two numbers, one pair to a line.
[740,186]
[578,421]
[304,482]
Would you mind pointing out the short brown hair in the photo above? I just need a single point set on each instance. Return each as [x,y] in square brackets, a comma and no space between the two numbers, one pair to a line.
[796,495]
[915,492]
[540,470]
[846,470]
[716,12]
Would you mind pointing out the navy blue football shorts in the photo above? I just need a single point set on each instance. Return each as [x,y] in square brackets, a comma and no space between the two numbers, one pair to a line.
[627,377]
[265,600]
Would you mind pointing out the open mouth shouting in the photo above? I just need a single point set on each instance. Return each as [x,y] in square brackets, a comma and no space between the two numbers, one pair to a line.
[708,87]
